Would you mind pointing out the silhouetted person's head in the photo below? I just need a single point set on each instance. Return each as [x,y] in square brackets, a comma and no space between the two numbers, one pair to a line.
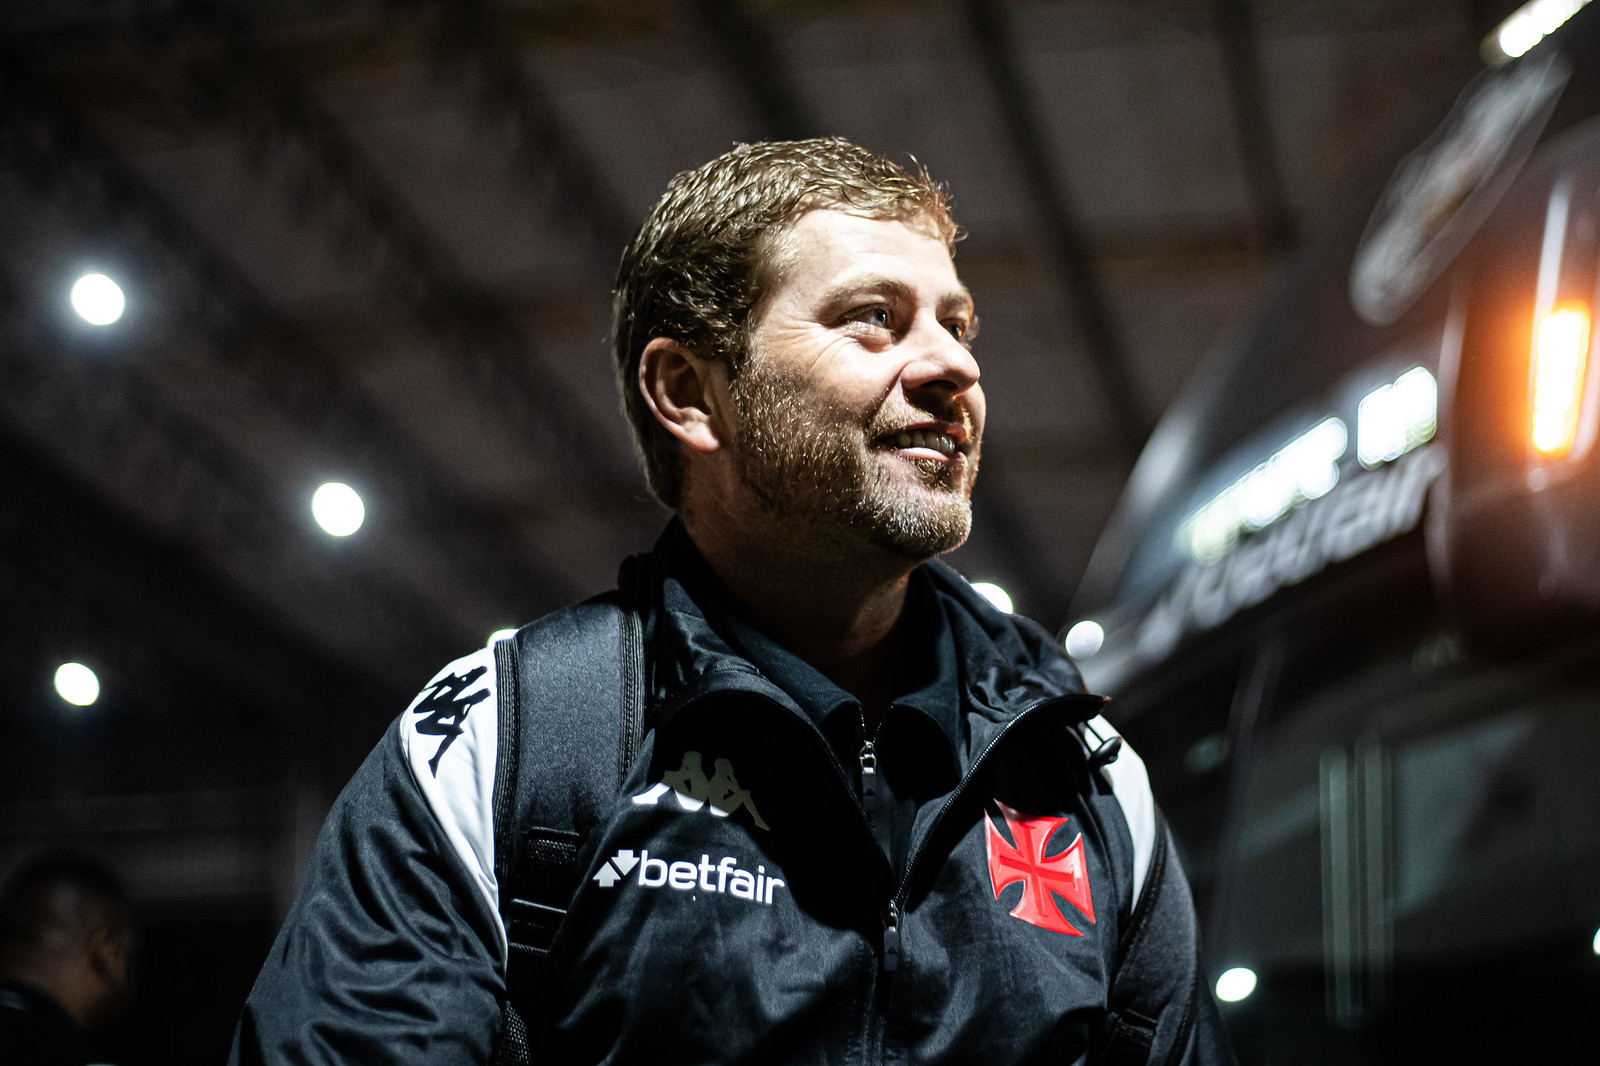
[65,930]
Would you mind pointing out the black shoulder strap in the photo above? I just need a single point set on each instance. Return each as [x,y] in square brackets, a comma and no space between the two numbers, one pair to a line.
[571,710]
[1154,989]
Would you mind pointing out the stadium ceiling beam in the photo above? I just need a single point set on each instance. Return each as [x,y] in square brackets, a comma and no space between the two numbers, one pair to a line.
[478,50]
[1062,235]
[483,48]
[748,49]
[225,78]
[64,160]
[1269,210]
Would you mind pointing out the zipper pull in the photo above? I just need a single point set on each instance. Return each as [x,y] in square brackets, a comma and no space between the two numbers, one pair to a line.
[869,774]
[876,803]
[891,938]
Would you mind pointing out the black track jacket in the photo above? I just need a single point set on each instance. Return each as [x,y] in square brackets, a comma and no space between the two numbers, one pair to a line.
[735,906]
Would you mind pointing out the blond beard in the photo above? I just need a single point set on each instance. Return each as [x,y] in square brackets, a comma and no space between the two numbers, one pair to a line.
[807,463]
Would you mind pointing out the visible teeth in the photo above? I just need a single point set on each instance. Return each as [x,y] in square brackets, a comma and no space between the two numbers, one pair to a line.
[918,438]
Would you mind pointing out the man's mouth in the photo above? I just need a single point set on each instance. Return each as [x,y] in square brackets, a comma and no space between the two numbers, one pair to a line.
[943,440]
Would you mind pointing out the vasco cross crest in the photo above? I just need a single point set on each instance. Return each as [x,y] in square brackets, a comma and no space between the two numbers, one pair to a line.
[1066,874]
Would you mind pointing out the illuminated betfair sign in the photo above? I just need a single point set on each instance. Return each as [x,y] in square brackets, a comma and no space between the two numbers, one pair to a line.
[1360,512]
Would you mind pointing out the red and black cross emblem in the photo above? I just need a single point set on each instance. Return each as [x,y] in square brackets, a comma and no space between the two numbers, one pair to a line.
[1064,874]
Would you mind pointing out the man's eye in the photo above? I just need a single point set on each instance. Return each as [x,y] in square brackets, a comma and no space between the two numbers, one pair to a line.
[873,316]
[964,330]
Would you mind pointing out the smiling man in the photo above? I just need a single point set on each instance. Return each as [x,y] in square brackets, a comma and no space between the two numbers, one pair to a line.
[793,792]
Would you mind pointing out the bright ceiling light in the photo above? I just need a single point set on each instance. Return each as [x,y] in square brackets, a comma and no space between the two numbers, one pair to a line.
[97,299]
[1085,638]
[498,635]
[1527,26]
[338,509]
[994,594]
[1393,419]
[1596,944]
[77,684]
[1236,984]
[1560,356]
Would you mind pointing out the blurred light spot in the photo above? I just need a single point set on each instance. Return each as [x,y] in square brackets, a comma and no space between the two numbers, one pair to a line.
[1206,754]
[97,299]
[1304,469]
[1532,23]
[498,635]
[1236,984]
[77,684]
[1085,638]
[994,594]
[338,509]
[1560,354]
[1597,942]
[1393,419]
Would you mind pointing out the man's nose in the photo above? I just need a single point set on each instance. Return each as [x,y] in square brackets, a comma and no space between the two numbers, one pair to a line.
[940,361]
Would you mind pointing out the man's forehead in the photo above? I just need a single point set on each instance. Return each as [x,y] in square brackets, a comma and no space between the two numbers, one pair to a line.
[841,251]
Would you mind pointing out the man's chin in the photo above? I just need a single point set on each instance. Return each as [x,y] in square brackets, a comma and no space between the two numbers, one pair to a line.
[917,550]
[918,533]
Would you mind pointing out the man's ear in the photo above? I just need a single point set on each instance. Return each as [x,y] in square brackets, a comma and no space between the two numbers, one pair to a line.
[685,392]
[108,955]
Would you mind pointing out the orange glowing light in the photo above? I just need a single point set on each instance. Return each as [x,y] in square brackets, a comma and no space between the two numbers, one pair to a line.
[1560,357]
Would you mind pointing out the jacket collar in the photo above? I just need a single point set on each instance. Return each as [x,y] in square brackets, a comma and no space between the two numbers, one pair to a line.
[1003,663]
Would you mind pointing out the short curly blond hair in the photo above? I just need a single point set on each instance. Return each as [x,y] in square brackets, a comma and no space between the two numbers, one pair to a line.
[704,256]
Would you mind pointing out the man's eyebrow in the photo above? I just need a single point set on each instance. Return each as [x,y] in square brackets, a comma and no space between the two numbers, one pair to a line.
[864,285]
[960,300]
[874,284]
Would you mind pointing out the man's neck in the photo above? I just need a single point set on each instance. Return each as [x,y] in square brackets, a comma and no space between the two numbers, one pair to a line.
[841,613]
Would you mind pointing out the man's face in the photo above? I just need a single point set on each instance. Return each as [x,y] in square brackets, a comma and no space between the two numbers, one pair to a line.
[859,405]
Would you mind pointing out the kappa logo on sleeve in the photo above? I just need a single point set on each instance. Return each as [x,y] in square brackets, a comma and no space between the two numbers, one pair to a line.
[1066,873]
[444,706]
[720,793]
[713,878]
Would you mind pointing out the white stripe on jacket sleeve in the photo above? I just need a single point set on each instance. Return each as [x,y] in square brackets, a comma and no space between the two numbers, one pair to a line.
[1131,785]
[455,770]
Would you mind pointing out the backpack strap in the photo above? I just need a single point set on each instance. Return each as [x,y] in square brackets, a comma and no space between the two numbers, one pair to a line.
[1154,981]
[1154,986]
[571,715]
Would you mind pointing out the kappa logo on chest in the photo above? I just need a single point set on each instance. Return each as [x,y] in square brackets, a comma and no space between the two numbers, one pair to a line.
[1044,878]
[692,790]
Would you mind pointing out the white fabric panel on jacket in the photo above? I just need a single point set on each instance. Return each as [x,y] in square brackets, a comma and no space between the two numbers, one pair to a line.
[451,737]
[1131,785]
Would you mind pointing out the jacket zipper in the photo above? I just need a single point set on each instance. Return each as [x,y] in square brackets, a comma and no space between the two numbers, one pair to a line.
[822,739]
[873,805]
[869,772]
[891,937]
[874,798]
[879,817]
